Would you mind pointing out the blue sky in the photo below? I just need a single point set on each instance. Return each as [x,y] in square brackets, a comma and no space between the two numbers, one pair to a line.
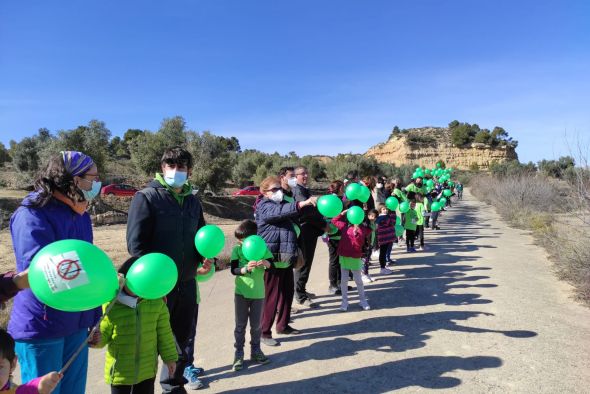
[311,76]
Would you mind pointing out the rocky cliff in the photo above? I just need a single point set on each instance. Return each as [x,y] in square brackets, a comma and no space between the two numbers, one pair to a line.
[426,145]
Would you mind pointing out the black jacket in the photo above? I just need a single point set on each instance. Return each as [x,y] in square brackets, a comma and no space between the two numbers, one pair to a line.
[157,223]
[311,219]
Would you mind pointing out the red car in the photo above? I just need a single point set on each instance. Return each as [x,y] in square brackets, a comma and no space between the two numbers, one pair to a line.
[248,191]
[119,190]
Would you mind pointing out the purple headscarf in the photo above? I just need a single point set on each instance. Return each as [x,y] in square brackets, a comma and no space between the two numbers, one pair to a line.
[76,163]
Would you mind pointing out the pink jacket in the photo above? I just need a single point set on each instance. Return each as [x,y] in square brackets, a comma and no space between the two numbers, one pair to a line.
[353,239]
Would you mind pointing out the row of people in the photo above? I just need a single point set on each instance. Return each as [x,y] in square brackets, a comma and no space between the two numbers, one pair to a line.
[164,217]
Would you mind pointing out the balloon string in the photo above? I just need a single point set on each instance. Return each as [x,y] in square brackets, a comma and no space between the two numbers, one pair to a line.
[96,327]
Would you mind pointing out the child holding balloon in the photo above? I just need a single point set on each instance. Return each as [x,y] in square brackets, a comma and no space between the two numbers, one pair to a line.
[135,331]
[385,237]
[420,213]
[249,296]
[371,218]
[350,250]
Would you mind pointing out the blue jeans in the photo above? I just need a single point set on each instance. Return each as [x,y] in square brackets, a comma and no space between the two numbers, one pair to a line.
[38,357]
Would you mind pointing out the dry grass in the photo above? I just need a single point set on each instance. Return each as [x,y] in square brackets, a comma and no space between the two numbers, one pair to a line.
[539,204]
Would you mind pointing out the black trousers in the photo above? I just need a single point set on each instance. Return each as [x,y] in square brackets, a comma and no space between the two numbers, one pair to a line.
[307,242]
[383,254]
[144,387]
[190,344]
[182,304]
[410,237]
[334,273]
[420,234]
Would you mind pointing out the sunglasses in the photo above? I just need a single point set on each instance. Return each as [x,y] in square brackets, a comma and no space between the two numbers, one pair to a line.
[274,189]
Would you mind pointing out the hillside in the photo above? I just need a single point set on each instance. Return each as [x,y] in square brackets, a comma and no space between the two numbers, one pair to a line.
[426,145]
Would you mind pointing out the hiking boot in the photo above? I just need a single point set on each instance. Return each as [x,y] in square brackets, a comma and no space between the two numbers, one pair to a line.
[238,363]
[260,358]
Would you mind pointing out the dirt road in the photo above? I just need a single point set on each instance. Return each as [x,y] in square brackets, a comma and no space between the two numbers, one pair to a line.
[479,311]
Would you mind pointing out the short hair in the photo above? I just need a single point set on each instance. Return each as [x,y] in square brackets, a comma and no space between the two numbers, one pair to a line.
[245,229]
[178,156]
[6,346]
[124,268]
[373,211]
[267,182]
[284,170]
[411,195]
[304,168]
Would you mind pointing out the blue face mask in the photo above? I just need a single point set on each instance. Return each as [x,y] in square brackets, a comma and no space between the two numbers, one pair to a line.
[175,178]
[93,192]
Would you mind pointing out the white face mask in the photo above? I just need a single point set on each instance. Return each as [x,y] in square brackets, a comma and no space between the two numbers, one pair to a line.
[379,186]
[277,196]
[292,182]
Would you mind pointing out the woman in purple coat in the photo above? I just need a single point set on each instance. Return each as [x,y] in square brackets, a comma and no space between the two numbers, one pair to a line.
[45,337]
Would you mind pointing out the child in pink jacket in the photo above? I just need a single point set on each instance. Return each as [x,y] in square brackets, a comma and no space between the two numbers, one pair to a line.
[350,251]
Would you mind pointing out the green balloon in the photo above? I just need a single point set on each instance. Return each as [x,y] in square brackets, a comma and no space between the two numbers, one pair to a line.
[73,276]
[152,276]
[399,230]
[254,248]
[404,207]
[330,205]
[208,275]
[398,220]
[209,241]
[435,207]
[430,183]
[443,202]
[447,192]
[365,194]
[438,165]
[355,215]
[391,203]
[353,191]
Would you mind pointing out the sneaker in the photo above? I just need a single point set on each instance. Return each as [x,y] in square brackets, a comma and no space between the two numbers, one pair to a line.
[310,295]
[260,358]
[391,263]
[418,249]
[333,289]
[365,307]
[308,303]
[408,250]
[338,292]
[289,331]
[385,271]
[412,250]
[366,279]
[344,307]
[238,363]
[294,310]
[198,370]
[269,341]
[194,383]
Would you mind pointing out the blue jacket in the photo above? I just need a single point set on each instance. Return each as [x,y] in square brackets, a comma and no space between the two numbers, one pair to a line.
[32,228]
[275,224]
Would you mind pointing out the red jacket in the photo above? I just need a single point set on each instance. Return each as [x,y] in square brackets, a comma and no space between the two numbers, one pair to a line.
[353,239]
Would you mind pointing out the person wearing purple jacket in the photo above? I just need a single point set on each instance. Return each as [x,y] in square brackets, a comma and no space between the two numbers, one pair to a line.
[45,337]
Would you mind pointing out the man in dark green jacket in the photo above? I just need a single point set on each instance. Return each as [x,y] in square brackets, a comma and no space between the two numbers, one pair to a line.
[164,218]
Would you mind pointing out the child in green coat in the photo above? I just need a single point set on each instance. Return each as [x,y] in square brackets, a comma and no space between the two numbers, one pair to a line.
[135,331]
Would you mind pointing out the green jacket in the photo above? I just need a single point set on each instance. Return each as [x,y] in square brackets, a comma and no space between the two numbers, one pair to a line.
[135,337]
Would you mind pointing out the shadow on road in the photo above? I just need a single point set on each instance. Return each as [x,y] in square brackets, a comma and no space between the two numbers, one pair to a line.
[419,280]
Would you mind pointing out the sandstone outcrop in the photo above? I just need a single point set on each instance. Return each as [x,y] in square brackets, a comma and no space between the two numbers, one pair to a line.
[426,145]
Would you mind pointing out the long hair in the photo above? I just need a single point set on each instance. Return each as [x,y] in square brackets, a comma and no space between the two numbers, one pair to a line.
[55,177]
[336,187]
